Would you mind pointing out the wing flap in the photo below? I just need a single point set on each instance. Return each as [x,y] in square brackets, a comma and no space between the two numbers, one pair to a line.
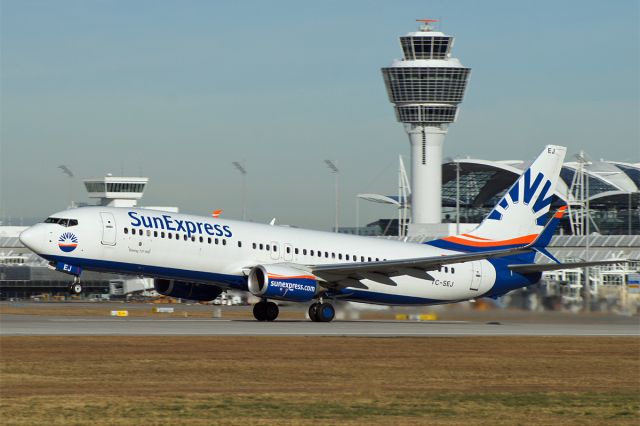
[542,267]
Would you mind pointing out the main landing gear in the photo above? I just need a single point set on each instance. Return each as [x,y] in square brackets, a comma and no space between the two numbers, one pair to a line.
[321,312]
[265,311]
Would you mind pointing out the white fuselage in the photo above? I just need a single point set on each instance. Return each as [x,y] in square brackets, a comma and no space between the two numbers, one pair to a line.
[221,252]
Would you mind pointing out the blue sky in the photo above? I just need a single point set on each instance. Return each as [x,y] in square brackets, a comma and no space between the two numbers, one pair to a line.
[178,90]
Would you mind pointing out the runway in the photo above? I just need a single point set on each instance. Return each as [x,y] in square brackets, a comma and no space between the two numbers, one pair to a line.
[41,325]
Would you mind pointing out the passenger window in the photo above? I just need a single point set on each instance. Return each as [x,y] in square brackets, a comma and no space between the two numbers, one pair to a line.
[275,248]
[288,250]
[201,239]
[162,234]
[339,256]
[361,258]
[208,240]
[254,246]
[140,232]
[155,234]
[446,269]
[311,252]
[333,255]
[347,257]
[369,259]
[326,254]
[304,252]
[148,233]
[126,230]
[267,247]
[295,250]
[224,242]
[216,241]
[239,243]
[185,237]
[453,270]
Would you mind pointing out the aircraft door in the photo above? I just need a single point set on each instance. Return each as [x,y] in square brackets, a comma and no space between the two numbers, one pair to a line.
[476,275]
[108,229]
[288,252]
[275,250]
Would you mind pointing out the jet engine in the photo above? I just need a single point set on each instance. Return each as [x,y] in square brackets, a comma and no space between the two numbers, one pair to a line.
[186,290]
[282,282]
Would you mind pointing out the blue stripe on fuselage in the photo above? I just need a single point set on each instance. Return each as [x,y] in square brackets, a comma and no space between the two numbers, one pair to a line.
[234,281]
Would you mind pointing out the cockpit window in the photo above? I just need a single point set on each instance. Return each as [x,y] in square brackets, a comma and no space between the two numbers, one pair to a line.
[63,222]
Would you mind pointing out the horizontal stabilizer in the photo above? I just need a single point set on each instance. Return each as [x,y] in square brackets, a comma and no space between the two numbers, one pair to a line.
[541,267]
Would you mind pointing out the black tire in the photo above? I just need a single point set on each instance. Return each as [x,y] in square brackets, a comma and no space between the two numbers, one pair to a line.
[326,312]
[271,311]
[75,288]
[313,312]
[260,311]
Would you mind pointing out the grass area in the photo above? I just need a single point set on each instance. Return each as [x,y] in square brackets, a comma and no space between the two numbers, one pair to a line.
[319,380]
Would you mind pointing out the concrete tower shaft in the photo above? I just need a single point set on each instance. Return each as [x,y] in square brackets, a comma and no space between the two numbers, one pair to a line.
[426,87]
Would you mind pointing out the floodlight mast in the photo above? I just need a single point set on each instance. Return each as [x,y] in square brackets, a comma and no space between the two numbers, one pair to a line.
[334,169]
[243,171]
[70,175]
[426,87]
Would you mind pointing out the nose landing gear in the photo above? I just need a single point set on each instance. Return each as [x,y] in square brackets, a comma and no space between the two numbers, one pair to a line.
[265,311]
[75,288]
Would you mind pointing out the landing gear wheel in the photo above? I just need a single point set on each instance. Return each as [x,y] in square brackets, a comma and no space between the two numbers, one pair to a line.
[325,312]
[271,311]
[260,311]
[75,288]
[313,311]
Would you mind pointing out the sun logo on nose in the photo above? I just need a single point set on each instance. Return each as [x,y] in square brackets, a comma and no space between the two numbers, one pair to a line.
[67,242]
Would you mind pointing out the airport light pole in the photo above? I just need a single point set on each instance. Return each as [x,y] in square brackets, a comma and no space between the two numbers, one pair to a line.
[69,173]
[336,172]
[243,172]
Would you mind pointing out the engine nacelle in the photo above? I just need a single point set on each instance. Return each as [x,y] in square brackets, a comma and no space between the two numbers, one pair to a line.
[186,290]
[282,283]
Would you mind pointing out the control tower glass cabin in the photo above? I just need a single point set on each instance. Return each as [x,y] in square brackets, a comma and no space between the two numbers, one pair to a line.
[426,87]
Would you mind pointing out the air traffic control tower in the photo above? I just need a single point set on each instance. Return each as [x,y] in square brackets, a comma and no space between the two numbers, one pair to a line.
[426,87]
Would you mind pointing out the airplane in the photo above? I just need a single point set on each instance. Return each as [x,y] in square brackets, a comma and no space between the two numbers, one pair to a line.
[197,258]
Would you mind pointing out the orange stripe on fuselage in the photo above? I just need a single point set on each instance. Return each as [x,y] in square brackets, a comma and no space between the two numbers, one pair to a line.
[476,237]
[520,240]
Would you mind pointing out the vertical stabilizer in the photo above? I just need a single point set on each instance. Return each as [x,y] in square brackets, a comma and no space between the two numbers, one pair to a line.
[520,216]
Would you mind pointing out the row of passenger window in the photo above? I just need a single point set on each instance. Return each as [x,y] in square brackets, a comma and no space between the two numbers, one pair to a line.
[315,253]
[266,247]
[176,236]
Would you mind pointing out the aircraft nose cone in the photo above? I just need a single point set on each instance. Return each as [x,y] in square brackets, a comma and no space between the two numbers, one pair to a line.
[28,238]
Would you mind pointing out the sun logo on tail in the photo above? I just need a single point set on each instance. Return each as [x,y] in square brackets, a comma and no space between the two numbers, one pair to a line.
[67,242]
[522,193]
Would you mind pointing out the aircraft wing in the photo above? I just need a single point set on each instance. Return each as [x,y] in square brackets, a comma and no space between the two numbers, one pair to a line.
[541,267]
[350,274]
